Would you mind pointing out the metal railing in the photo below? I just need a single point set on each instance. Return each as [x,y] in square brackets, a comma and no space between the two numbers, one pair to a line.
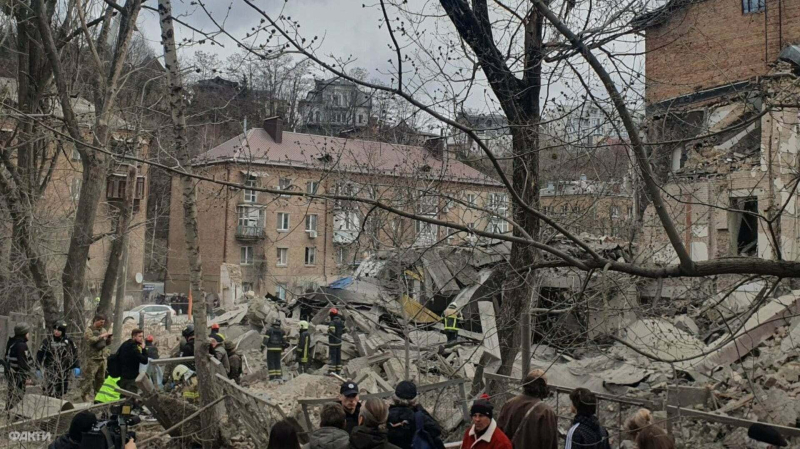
[249,232]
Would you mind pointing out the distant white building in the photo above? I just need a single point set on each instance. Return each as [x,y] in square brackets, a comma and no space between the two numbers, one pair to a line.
[333,106]
[492,129]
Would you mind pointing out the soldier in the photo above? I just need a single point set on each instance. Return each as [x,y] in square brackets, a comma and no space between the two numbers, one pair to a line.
[57,356]
[303,341]
[335,331]
[274,342]
[19,364]
[234,360]
[97,339]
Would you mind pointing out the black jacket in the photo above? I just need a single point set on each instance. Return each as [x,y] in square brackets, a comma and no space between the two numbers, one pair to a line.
[369,438]
[130,356]
[303,341]
[18,357]
[335,331]
[328,438]
[274,338]
[152,351]
[589,434]
[58,354]
[351,419]
[64,442]
[402,426]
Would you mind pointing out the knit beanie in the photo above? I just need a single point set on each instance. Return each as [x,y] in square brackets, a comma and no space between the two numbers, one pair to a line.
[82,422]
[21,329]
[406,390]
[482,406]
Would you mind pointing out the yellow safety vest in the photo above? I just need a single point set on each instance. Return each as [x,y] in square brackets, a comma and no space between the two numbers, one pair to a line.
[451,323]
[107,393]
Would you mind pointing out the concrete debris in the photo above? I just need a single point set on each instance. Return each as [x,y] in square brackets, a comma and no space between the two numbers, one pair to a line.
[247,341]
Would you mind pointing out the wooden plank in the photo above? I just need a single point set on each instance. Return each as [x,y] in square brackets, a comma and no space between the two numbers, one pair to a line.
[729,420]
[171,360]
[5,332]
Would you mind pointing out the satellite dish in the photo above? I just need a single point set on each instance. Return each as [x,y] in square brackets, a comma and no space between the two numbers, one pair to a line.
[139,278]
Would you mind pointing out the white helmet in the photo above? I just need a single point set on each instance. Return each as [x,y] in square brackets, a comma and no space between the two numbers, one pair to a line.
[181,372]
[452,305]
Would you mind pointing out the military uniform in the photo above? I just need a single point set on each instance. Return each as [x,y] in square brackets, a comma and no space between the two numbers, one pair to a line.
[335,331]
[19,365]
[95,366]
[57,356]
[235,362]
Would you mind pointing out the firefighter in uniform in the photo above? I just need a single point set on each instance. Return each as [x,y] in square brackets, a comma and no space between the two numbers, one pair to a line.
[335,331]
[275,345]
[450,318]
[215,334]
[186,380]
[303,342]
[57,356]
[234,361]
[19,364]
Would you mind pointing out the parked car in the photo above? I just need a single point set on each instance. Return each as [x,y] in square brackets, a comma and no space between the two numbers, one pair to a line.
[152,312]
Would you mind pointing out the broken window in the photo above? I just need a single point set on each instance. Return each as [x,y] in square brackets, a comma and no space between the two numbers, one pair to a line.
[752,6]
[743,226]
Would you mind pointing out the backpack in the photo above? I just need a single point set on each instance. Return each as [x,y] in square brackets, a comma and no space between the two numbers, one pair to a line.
[113,367]
[422,439]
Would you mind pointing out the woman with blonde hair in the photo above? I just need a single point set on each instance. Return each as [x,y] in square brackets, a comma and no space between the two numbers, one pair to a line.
[370,433]
[645,433]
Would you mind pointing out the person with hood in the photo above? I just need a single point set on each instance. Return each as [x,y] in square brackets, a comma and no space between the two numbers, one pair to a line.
[82,422]
[275,345]
[484,432]
[526,419]
[216,349]
[586,431]
[186,344]
[234,360]
[57,356]
[404,413]
[131,355]
[370,433]
[19,361]
[303,342]
[215,334]
[331,433]
[335,331]
[96,340]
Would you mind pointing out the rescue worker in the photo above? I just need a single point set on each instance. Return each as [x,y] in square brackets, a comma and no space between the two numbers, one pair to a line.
[97,339]
[215,333]
[335,331]
[187,344]
[450,318]
[186,380]
[274,342]
[57,356]
[234,360]
[303,342]
[108,392]
[19,364]
[218,351]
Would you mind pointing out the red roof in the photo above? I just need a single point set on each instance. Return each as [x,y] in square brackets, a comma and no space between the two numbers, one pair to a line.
[349,155]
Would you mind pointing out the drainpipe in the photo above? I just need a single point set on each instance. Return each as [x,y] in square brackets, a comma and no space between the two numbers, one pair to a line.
[227,206]
[325,239]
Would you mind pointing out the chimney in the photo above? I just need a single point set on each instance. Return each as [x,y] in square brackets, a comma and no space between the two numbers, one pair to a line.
[274,127]
[436,146]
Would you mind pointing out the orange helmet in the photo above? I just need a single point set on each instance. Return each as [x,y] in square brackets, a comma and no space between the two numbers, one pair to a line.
[150,338]
[215,326]
[334,311]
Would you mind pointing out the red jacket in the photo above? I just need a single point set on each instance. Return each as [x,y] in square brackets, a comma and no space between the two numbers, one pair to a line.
[493,438]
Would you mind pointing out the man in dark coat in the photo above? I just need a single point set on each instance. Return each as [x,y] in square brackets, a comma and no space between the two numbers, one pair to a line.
[348,397]
[526,419]
[335,331]
[274,341]
[19,363]
[234,360]
[58,356]
[402,418]
[586,431]
[331,433]
[131,355]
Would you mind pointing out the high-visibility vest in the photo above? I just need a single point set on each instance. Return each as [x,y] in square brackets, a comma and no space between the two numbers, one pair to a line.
[451,323]
[107,393]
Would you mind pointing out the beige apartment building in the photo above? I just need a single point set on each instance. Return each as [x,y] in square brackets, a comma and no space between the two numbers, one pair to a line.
[285,244]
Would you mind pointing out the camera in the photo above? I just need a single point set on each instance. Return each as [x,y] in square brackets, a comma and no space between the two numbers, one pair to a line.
[112,433]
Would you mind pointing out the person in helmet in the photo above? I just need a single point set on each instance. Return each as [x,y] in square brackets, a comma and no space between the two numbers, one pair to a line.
[335,331]
[275,344]
[215,333]
[234,360]
[303,342]
[186,380]
[450,318]
[187,344]
[57,356]
[216,349]
[19,363]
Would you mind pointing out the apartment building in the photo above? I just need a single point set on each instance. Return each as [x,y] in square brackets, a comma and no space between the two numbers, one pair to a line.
[335,105]
[600,208]
[285,244]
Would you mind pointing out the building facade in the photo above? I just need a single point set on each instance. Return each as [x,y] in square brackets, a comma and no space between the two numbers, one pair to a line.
[333,106]
[286,244]
[595,207]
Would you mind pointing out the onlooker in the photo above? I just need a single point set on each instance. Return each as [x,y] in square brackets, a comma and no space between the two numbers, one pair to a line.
[348,397]
[97,339]
[331,433]
[404,413]
[526,419]
[283,435]
[187,345]
[57,356]
[586,431]
[130,355]
[645,433]
[234,360]
[370,433]
[80,424]
[19,364]
[762,436]
[154,372]
[215,348]
[484,432]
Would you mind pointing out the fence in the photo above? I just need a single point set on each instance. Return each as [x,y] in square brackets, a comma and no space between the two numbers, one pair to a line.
[256,414]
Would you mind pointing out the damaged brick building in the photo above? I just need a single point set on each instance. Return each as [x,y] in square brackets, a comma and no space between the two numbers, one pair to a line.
[722,120]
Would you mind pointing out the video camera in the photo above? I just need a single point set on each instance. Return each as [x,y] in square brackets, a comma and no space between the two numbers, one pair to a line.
[112,433]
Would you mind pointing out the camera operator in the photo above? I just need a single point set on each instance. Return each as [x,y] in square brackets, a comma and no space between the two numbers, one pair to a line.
[82,423]
[131,354]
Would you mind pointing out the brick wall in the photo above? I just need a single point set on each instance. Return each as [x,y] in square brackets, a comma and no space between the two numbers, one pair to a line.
[713,43]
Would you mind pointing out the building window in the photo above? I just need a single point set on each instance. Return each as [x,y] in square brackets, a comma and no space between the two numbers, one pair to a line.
[753,6]
[312,187]
[250,196]
[360,118]
[247,255]
[614,211]
[76,155]
[316,115]
[743,226]
[280,291]
[498,225]
[311,256]
[472,199]
[247,286]
[251,216]
[283,257]
[75,189]
[283,221]
[425,231]
[284,184]
[350,221]
[342,255]
[311,222]
[498,203]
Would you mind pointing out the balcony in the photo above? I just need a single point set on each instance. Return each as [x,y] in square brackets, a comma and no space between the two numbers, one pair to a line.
[249,232]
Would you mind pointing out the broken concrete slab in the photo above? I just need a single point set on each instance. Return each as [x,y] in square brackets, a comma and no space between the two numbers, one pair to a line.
[426,338]
[686,324]
[247,341]
[662,339]
[491,341]
[396,372]
[37,406]
[792,339]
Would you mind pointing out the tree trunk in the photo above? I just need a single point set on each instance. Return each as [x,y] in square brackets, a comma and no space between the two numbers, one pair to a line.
[177,104]
[117,246]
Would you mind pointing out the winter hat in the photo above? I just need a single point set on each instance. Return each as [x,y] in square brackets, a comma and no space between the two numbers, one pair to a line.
[482,406]
[766,434]
[406,390]
[82,422]
[21,329]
